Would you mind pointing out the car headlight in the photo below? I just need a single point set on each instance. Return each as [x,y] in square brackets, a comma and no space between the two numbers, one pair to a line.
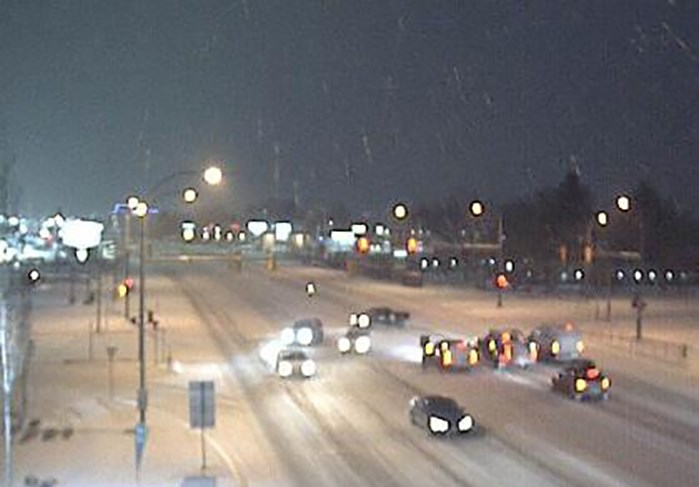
[287,336]
[308,368]
[353,319]
[364,320]
[580,385]
[580,346]
[555,347]
[466,423]
[285,369]
[304,336]
[344,345]
[362,344]
[438,425]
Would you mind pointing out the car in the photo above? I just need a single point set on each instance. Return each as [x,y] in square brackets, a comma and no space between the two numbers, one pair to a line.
[294,362]
[581,379]
[387,316]
[306,332]
[357,340]
[509,347]
[449,354]
[440,416]
[557,343]
[360,320]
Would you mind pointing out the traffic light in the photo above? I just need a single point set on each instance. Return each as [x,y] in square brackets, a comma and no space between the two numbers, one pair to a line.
[125,287]
[501,281]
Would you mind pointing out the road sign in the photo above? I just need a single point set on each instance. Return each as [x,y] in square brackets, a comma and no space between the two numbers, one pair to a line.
[202,405]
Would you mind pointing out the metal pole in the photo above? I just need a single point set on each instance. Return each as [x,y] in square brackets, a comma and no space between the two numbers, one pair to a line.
[98,299]
[203,415]
[142,393]
[7,390]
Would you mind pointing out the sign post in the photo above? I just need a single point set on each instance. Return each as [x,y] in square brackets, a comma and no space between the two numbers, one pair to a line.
[202,411]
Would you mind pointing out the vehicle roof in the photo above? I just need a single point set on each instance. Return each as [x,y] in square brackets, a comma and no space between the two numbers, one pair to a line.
[292,355]
[311,322]
[442,404]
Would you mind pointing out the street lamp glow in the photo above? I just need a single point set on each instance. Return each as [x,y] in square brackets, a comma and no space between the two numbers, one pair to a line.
[602,218]
[190,195]
[141,209]
[400,211]
[213,175]
[476,208]
[623,202]
[132,202]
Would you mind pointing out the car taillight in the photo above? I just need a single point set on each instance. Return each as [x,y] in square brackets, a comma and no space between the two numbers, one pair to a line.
[580,385]
[491,345]
[605,383]
[473,357]
[580,346]
[429,348]
[555,347]
[592,374]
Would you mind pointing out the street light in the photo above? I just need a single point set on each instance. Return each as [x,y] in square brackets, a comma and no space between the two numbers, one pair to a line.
[190,195]
[602,218]
[476,208]
[132,202]
[623,202]
[213,175]
[141,211]
[400,211]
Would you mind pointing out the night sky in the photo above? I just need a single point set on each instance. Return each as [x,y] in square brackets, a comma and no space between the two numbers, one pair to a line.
[364,102]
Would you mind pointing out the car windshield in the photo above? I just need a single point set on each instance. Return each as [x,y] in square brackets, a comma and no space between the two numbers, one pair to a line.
[195,193]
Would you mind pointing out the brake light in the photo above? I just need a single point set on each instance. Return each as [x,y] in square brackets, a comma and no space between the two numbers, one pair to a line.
[592,374]
[429,348]
[605,383]
[533,351]
[473,357]
[491,345]
[555,347]
[580,385]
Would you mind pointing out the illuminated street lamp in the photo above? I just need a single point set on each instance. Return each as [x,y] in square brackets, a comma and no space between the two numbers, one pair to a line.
[213,175]
[400,211]
[623,202]
[132,202]
[190,195]
[141,209]
[602,218]
[476,208]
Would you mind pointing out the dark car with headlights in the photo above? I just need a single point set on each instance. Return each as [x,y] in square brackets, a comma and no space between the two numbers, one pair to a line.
[305,332]
[387,316]
[581,379]
[557,343]
[440,416]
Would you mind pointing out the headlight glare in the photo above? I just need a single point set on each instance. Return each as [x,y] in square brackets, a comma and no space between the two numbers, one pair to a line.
[362,344]
[308,368]
[304,336]
[438,425]
[344,345]
[466,423]
[285,369]
[287,336]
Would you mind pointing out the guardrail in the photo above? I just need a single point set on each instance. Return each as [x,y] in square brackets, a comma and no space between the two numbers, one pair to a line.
[672,352]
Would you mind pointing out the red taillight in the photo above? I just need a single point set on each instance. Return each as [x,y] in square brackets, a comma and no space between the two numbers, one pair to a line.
[592,374]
